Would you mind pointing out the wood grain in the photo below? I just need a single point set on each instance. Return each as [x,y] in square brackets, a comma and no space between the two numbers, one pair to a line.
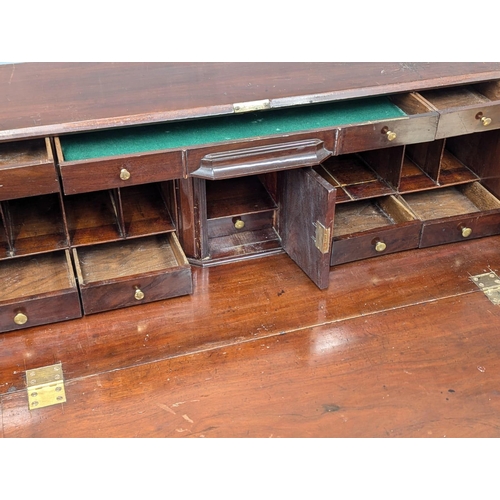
[44,99]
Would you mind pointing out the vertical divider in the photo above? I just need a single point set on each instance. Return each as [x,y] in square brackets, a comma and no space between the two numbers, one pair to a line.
[428,157]
[387,163]
[116,201]
[8,227]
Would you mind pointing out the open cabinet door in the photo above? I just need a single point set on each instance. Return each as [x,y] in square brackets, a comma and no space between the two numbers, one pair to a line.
[306,222]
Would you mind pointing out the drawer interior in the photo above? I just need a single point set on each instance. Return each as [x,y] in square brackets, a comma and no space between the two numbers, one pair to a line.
[21,153]
[367,215]
[109,261]
[456,97]
[451,201]
[32,276]
[181,134]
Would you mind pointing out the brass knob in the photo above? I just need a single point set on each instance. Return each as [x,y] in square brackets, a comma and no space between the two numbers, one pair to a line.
[390,135]
[124,174]
[139,294]
[466,232]
[239,224]
[485,121]
[380,246]
[20,319]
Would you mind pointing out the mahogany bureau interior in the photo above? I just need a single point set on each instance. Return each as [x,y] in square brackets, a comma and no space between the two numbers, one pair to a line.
[100,219]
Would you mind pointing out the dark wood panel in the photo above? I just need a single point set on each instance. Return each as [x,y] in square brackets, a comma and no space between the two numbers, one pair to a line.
[245,301]
[423,371]
[52,98]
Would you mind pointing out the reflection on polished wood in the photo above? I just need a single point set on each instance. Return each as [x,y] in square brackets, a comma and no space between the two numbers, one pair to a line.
[401,345]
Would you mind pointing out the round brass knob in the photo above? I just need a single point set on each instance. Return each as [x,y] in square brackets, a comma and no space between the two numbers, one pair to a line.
[390,135]
[380,246]
[239,224]
[124,174]
[139,294]
[466,232]
[485,121]
[20,319]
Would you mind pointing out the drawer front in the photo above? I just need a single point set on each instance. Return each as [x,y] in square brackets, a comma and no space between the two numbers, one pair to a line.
[479,118]
[384,134]
[25,181]
[136,290]
[237,224]
[376,243]
[96,175]
[460,228]
[40,311]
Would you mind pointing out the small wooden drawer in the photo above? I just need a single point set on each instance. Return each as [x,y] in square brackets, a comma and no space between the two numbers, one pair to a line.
[417,122]
[132,272]
[237,205]
[96,174]
[465,110]
[226,226]
[455,213]
[37,291]
[27,169]
[370,228]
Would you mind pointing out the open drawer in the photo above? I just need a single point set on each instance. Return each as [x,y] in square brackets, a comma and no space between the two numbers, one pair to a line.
[131,272]
[465,110]
[27,169]
[37,291]
[403,119]
[91,162]
[455,213]
[373,227]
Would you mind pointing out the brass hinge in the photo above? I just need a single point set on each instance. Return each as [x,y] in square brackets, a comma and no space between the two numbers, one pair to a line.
[246,107]
[322,239]
[489,283]
[45,386]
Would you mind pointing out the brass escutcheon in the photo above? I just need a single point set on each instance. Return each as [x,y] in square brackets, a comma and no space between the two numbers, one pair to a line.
[20,319]
[124,174]
[139,294]
[466,232]
[380,246]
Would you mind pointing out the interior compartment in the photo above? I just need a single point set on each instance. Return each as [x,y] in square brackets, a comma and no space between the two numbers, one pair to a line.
[38,290]
[34,225]
[455,213]
[27,169]
[364,175]
[465,109]
[430,165]
[241,216]
[125,273]
[451,201]
[110,215]
[175,135]
[372,227]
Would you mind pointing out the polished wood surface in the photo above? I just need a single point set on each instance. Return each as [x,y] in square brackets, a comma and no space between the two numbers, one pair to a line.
[403,345]
[43,99]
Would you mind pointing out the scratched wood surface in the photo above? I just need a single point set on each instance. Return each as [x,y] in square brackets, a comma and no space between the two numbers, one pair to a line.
[401,345]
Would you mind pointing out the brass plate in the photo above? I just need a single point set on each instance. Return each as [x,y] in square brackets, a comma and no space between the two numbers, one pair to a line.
[489,283]
[45,386]
[323,238]
[246,107]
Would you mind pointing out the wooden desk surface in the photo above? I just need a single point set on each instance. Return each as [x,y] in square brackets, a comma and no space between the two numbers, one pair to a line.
[43,99]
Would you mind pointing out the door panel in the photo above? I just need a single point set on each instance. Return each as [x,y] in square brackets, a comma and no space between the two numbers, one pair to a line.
[306,222]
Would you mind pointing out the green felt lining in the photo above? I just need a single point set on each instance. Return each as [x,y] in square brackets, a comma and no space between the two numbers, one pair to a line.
[209,130]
